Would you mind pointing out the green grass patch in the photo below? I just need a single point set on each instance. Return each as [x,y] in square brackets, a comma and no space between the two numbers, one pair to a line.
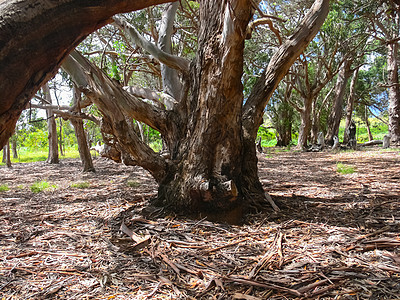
[81,185]
[4,188]
[40,186]
[344,169]
[132,183]
[28,155]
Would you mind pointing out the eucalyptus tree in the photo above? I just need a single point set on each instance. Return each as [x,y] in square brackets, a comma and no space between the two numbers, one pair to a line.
[384,18]
[208,129]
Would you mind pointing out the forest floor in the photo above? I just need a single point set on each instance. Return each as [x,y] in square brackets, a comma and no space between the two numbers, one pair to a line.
[335,237]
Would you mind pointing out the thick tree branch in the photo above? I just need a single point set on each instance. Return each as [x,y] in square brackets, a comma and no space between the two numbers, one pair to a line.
[158,98]
[66,114]
[169,60]
[101,89]
[279,66]
[115,104]
[35,37]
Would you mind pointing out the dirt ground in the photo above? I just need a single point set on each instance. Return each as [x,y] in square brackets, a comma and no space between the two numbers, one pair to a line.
[335,237]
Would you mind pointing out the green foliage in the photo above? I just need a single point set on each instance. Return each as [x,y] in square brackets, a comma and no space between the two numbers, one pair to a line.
[344,169]
[4,188]
[81,185]
[40,186]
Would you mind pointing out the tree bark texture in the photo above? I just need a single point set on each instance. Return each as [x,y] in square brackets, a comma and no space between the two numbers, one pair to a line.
[350,105]
[14,146]
[306,124]
[7,155]
[209,176]
[211,167]
[52,157]
[35,37]
[394,92]
[80,134]
[337,108]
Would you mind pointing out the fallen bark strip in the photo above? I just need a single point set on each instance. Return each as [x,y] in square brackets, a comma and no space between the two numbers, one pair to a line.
[268,255]
[25,254]
[226,246]
[139,241]
[263,285]
[169,263]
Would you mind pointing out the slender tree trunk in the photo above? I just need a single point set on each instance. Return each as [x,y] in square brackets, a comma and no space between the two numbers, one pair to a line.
[52,129]
[4,159]
[61,138]
[337,108]
[170,78]
[370,137]
[7,155]
[394,92]
[84,151]
[350,105]
[14,146]
[305,126]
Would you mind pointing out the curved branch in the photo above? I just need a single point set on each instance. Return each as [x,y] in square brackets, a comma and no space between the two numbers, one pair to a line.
[66,114]
[169,60]
[158,98]
[115,103]
[279,66]
[103,90]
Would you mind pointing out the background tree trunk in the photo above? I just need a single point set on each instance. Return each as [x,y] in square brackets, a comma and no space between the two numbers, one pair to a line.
[7,155]
[305,126]
[14,146]
[61,142]
[337,108]
[83,148]
[370,137]
[350,105]
[52,129]
[394,92]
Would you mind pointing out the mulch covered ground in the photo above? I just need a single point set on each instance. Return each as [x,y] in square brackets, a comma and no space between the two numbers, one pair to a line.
[335,237]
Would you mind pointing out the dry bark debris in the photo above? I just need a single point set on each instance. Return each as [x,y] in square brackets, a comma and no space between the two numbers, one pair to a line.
[334,237]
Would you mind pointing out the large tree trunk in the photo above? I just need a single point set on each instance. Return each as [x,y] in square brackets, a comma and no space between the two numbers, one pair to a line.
[209,176]
[337,108]
[394,92]
[350,105]
[52,129]
[211,169]
[35,37]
